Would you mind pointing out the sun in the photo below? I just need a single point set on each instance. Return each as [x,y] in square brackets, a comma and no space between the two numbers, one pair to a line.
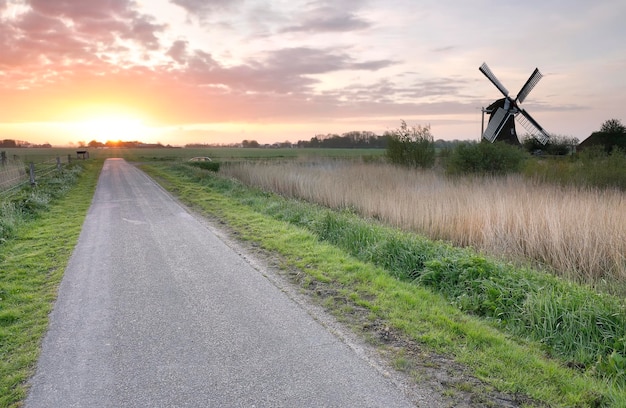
[114,128]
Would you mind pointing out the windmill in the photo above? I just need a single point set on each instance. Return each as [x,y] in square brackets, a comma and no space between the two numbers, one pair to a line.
[502,112]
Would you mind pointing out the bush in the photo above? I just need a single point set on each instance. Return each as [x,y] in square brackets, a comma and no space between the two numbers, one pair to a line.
[556,146]
[413,147]
[485,158]
[206,165]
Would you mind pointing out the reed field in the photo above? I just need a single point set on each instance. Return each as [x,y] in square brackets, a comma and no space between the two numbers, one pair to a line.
[579,233]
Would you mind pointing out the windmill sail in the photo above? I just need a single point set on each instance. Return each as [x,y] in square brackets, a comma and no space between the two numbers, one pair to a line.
[496,123]
[533,127]
[485,70]
[529,85]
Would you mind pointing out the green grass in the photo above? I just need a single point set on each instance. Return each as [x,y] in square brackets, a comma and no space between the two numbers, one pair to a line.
[32,262]
[464,305]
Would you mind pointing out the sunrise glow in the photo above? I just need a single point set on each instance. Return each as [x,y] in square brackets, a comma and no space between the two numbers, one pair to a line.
[113,128]
[178,71]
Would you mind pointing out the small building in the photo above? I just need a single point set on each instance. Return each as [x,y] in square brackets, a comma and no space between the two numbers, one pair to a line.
[608,141]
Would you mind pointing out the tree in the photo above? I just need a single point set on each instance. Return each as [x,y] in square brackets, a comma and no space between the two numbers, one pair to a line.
[411,146]
[613,126]
[250,143]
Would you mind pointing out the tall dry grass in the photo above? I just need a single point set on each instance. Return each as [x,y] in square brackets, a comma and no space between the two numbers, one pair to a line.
[580,233]
[12,172]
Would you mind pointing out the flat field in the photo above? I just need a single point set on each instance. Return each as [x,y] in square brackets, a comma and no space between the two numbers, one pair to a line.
[182,154]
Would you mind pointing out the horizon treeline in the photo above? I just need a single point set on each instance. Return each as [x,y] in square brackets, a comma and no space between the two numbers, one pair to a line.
[349,140]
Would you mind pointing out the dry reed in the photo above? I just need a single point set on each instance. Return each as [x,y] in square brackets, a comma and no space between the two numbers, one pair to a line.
[579,233]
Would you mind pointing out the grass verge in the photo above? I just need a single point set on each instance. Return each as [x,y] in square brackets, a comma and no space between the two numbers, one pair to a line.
[510,364]
[32,261]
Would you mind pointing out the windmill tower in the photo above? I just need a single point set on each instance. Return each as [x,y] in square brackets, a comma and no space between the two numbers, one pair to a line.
[504,111]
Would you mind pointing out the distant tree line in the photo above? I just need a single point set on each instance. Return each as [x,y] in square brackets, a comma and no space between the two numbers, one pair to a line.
[353,139]
[119,143]
[10,143]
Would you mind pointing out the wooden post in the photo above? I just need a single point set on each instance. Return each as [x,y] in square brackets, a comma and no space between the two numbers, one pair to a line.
[69,158]
[3,158]
[32,174]
[58,163]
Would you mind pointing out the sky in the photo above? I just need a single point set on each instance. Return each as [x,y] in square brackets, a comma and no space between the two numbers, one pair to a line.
[223,71]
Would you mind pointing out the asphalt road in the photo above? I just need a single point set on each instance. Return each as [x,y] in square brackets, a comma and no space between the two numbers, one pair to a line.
[154,310]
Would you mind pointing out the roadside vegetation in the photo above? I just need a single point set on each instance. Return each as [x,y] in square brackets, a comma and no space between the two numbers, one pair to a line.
[39,227]
[520,331]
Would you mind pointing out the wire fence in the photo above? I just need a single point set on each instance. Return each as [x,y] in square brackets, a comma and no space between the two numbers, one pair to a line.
[15,174]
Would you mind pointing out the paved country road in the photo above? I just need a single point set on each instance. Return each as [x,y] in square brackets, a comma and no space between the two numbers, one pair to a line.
[155,310]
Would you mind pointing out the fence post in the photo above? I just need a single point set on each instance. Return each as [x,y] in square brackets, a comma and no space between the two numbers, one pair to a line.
[58,163]
[69,158]
[3,158]
[32,174]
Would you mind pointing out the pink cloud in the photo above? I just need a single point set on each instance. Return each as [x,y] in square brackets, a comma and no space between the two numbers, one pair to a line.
[328,18]
[64,54]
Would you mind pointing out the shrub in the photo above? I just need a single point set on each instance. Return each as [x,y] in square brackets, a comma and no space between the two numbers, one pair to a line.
[556,146]
[206,165]
[485,158]
[413,147]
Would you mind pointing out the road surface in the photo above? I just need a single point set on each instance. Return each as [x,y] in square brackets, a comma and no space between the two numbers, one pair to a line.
[154,310]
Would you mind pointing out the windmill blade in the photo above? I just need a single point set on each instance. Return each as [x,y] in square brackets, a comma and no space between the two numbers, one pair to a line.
[533,127]
[529,85]
[485,70]
[496,123]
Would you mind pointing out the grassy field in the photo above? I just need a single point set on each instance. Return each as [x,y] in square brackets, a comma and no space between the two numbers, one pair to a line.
[183,154]
[429,294]
[579,233]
